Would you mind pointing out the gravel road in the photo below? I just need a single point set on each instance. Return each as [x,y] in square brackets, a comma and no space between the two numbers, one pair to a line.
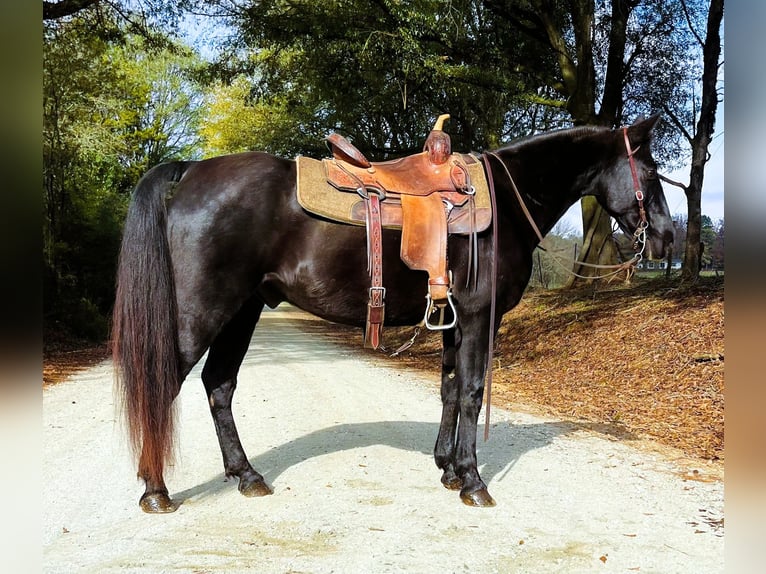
[345,441]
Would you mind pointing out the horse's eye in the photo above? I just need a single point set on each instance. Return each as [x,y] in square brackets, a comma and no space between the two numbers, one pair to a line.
[651,173]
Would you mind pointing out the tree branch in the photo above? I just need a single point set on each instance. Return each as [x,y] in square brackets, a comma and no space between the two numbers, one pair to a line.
[671,182]
[56,10]
[689,23]
[676,122]
[533,29]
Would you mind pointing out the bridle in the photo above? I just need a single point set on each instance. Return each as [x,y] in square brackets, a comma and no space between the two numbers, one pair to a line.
[639,235]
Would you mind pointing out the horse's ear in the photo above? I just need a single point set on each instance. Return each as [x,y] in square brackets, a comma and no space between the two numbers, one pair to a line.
[641,130]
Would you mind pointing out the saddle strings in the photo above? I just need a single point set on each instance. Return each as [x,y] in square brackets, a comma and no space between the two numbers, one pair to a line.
[472,273]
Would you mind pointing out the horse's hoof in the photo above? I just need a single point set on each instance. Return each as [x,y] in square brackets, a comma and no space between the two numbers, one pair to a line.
[479,497]
[157,503]
[254,488]
[451,481]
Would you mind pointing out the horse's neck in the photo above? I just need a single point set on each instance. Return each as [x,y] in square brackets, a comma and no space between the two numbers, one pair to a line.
[547,189]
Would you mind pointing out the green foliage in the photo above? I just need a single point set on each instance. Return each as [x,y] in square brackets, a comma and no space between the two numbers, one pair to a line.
[709,239]
[381,72]
[112,108]
[378,72]
[233,122]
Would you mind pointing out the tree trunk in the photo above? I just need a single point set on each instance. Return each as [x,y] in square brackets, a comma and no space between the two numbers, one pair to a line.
[612,100]
[598,247]
[693,250]
[701,141]
[668,263]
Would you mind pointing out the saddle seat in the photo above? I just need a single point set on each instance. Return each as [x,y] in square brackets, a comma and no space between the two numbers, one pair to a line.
[426,186]
[420,174]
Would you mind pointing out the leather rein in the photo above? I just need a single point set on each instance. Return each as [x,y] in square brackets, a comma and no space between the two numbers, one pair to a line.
[639,243]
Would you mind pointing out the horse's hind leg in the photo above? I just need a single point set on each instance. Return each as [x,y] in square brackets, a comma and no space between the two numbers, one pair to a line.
[444,450]
[156,499]
[220,379]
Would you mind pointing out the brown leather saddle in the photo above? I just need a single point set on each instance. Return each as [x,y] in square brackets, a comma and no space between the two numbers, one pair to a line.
[420,191]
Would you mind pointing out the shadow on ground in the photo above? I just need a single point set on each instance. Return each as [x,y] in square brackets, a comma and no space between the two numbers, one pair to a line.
[508,443]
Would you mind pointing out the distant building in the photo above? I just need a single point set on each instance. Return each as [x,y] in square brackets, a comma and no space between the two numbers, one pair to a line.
[649,265]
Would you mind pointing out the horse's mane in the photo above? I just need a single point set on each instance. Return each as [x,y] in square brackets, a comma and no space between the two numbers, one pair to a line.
[573,133]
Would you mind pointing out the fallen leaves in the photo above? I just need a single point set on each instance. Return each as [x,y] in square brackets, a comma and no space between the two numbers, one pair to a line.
[59,364]
[651,364]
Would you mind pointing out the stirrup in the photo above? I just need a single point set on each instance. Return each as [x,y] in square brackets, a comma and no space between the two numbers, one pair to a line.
[431,307]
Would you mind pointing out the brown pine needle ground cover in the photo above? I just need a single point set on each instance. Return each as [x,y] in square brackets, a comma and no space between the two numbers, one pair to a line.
[65,355]
[650,359]
[646,360]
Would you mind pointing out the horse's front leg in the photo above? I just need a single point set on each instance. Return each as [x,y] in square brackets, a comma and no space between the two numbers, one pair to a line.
[444,450]
[472,352]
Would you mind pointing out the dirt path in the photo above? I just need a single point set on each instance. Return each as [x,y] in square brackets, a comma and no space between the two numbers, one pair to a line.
[346,443]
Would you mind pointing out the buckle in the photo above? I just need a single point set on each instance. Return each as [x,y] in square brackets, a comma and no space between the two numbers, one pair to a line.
[381,289]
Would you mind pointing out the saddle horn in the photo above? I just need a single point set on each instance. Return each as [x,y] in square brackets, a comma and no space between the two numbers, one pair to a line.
[438,144]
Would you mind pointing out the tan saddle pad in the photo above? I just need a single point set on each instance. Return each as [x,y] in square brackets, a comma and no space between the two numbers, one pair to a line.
[317,196]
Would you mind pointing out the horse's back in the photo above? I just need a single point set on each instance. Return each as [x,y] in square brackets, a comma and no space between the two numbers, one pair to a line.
[224,201]
[244,180]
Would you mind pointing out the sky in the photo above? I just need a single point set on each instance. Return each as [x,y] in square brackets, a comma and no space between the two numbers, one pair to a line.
[712,186]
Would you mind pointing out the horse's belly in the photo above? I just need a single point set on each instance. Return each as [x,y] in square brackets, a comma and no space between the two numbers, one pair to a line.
[341,299]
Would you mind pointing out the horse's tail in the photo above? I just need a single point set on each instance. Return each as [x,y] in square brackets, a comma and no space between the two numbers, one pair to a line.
[144,323]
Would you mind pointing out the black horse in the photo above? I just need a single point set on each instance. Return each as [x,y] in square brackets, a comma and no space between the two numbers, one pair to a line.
[207,244]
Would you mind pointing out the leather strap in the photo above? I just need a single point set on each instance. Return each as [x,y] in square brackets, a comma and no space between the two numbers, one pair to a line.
[472,274]
[516,191]
[344,150]
[493,283]
[376,307]
[643,224]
